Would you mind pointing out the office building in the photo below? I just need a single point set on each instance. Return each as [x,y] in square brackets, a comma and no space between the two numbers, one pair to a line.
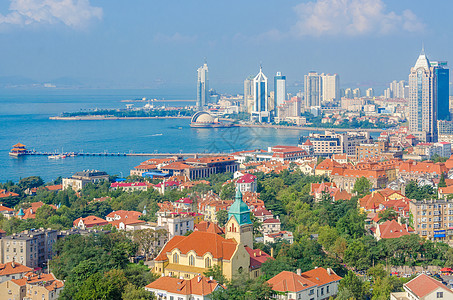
[260,111]
[202,86]
[312,84]
[427,82]
[279,89]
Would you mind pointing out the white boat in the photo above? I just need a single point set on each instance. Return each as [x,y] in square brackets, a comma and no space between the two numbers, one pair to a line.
[56,156]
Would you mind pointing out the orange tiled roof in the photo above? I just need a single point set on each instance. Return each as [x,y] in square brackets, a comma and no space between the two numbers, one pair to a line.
[321,276]
[4,208]
[200,242]
[31,278]
[199,285]
[8,269]
[287,281]
[341,195]
[125,214]
[208,227]
[392,229]
[257,257]
[5,194]
[422,285]
[91,221]
[56,187]
[327,164]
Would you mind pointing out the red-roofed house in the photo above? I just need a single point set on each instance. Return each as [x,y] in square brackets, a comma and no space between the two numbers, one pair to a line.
[90,221]
[208,227]
[129,186]
[279,236]
[199,287]
[166,186]
[30,213]
[5,194]
[270,225]
[423,287]
[13,270]
[390,230]
[318,283]
[121,218]
[32,286]
[247,183]
[325,167]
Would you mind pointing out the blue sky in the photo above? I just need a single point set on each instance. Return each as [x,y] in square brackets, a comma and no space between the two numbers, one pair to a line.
[152,44]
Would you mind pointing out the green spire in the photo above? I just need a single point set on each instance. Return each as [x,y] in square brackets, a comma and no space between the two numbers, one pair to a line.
[239,210]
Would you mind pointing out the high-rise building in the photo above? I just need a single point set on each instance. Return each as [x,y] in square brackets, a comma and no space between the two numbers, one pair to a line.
[348,93]
[330,87]
[260,111]
[312,84]
[279,89]
[370,93]
[356,93]
[202,86]
[248,94]
[428,86]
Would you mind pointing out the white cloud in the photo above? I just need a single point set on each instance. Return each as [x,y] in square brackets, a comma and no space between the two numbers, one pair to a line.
[351,17]
[175,38]
[72,13]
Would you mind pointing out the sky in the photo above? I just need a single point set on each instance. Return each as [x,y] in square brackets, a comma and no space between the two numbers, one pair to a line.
[117,44]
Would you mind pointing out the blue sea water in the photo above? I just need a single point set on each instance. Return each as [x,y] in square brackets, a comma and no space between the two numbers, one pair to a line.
[24,118]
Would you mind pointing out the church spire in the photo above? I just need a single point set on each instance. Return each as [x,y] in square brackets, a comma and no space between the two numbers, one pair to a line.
[239,210]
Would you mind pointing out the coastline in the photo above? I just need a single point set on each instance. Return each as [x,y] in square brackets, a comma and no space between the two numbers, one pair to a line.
[310,128]
[101,118]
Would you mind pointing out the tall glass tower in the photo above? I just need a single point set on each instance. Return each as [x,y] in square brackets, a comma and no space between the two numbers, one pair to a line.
[279,89]
[260,111]
[202,86]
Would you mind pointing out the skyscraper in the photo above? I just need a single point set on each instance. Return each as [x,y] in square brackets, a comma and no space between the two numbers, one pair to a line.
[248,94]
[370,92]
[279,89]
[428,97]
[260,111]
[330,87]
[202,86]
[312,84]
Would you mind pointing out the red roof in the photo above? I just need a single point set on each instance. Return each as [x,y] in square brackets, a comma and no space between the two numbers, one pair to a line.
[8,268]
[200,242]
[321,276]
[270,221]
[208,227]
[124,214]
[90,221]
[247,178]
[127,184]
[199,285]
[308,143]
[287,281]
[257,257]
[422,285]
[392,229]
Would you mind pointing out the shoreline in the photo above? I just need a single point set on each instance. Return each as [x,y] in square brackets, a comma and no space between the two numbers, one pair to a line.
[101,118]
[307,128]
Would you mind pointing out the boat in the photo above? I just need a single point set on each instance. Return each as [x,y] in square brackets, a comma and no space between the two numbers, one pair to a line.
[56,156]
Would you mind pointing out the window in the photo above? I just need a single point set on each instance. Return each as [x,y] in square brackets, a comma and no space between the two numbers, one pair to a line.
[207,262]
[440,294]
[327,289]
[191,260]
[175,258]
[322,291]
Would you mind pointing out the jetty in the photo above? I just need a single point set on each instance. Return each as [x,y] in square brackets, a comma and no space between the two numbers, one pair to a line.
[105,153]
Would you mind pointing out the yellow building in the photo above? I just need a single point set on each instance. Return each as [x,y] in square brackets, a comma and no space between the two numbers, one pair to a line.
[188,256]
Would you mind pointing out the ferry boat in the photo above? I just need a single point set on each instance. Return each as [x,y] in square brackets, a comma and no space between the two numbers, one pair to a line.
[18,150]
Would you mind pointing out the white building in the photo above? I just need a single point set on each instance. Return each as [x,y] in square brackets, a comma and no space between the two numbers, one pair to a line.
[80,179]
[423,287]
[247,183]
[312,84]
[176,224]
[330,87]
[202,86]
[279,89]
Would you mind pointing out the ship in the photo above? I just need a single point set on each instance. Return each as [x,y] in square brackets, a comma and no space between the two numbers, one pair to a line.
[18,150]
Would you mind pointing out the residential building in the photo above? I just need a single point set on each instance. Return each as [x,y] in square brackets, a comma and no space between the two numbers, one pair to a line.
[356,93]
[317,284]
[247,183]
[170,288]
[176,223]
[423,287]
[80,179]
[330,90]
[279,236]
[90,221]
[129,186]
[194,168]
[188,256]
[391,230]
[345,178]
[260,111]
[202,86]
[271,225]
[32,287]
[32,248]
[249,92]
[433,219]
[336,143]
[210,203]
[13,270]
[370,93]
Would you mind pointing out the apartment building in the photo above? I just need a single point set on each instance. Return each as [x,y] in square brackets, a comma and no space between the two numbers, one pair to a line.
[337,143]
[31,248]
[433,219]
[80,179]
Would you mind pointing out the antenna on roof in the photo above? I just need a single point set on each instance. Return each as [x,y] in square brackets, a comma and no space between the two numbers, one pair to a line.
[423,49]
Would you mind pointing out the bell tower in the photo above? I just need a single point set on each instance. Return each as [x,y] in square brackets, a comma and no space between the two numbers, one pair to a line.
[239,225]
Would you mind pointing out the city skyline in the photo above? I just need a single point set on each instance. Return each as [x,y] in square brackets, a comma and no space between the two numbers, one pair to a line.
[84,44]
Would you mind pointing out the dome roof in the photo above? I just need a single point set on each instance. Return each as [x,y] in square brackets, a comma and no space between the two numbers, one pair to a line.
[202,117]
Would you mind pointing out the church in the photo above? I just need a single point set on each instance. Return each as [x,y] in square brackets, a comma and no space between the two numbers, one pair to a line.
[189,256]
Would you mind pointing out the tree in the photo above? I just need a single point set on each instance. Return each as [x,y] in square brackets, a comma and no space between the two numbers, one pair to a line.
[131,292]
[357,255]
[351,284]
[31,182]
[216,272]
[147,239]
[227,191]
[387,215]
[222,217]
[362,186]
[244,288]
[102,286]
[442,182]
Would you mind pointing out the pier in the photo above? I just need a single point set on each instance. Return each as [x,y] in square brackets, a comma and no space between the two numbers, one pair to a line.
[74,154]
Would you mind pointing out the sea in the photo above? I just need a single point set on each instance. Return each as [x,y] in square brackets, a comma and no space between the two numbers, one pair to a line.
[24,118]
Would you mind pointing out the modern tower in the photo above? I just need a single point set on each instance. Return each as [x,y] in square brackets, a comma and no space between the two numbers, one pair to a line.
[279,89]
[428,85]
[330,87]
[202,87]
[248,94]
[312,84]
[260,111]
